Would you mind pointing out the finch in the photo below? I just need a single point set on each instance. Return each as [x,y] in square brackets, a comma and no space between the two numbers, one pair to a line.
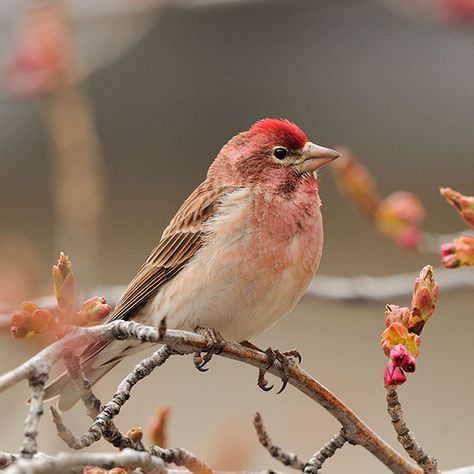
[237,256]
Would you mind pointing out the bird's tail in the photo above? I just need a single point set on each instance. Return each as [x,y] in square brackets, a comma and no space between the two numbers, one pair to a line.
[94,367]
[65,388]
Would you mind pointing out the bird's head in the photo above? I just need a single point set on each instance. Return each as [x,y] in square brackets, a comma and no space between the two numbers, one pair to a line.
[273,153]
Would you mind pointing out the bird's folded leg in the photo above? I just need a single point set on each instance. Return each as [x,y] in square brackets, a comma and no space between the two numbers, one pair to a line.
[215,345]
[283,357]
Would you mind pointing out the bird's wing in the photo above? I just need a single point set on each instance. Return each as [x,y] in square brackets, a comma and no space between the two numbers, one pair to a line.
[180,241]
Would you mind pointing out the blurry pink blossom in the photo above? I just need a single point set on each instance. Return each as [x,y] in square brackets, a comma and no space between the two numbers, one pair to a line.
[399,217]
[459,252]
[464,204]
[64,285]
[456,10]
[355,182]
[93,311]
[42,51]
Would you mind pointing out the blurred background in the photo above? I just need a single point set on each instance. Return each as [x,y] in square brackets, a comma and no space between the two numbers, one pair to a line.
[110,116]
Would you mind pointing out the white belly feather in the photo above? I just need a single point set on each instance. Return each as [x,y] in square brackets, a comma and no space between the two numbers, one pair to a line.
[234,286]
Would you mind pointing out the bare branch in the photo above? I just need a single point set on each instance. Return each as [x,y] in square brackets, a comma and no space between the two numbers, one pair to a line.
[6,459]
[288,459]
[93,407]
[66,462]
[384,288]
[405,436]
[356,431]
[317,460]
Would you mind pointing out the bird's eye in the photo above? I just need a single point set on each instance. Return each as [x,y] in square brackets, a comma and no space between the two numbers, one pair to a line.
[280,153]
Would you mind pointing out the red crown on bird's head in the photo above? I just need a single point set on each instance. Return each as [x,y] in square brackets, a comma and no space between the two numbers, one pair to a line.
[283,131]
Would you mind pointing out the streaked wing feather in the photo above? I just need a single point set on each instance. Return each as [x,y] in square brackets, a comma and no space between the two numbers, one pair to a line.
[180,241]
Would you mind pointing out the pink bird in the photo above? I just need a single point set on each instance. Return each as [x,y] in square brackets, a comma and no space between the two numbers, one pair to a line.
[237,256]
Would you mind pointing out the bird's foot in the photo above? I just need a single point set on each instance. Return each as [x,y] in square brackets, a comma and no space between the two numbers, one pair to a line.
[215,345]
[285,358]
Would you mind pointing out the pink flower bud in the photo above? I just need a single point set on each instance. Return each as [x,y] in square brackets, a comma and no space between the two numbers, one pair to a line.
[458,11]
[393,375]
[464,204]
[459,252]
[64,286]
[399,355]
[399,217]
[355,182]
[425,297]
[95,310]
[19,332]
[92,470]
[409,364]
[157,430]
[396,314]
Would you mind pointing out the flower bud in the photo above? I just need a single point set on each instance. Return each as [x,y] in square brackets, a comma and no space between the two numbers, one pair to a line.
[399,355]
[396,314]
[399,217]
[464,204]
[409,364]
[397,333]
[393,375]
[94,310]
[425,297]
[92,470]
[22,324]
[135,434]
[19,332]
[43,320]
[64,286]
[157,429]
[356,182]
[459,252]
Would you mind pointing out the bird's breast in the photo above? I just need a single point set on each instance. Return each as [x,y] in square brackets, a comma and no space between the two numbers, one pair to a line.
[259,256]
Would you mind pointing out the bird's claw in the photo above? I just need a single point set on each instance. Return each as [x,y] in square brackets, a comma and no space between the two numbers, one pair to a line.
[215,345]
[284,358]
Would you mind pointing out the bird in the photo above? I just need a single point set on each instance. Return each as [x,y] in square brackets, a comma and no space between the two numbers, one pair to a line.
[237,256]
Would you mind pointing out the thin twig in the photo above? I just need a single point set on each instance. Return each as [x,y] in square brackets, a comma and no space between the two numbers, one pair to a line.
[317,460]
[93,407]
[30,445]
[288,459]
[177,456]
[357,432]
[384,288]
[7,458]
[405,436]
[112,408]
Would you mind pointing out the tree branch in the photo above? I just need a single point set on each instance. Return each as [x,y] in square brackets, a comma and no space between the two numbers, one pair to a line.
[405,436]
[288,459]
[356,431]
[66,462]
[317,460]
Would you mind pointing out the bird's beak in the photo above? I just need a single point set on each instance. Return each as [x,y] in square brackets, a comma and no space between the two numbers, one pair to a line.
[314,157]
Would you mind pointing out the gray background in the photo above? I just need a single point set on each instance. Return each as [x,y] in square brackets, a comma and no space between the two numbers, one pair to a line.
[399,92]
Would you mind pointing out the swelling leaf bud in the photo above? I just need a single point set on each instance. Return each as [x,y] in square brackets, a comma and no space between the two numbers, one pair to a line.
[464,204]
